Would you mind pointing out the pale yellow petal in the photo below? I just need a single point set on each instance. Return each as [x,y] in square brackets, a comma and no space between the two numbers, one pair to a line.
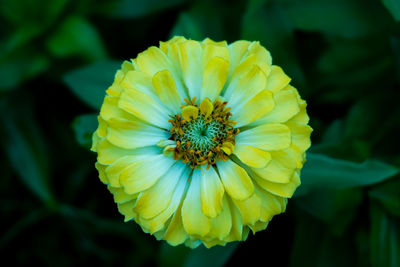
[190,54]
[249,209]
[144,107]
[126,209]
[235,179]
[300,135]
[279,189]
[157,198]
[120,196]
[131,134]
[286,106]
[256,107]
[245,86]
[102,172]
[165,86]
[280,169]
[222,224]
[211,192]
[194,220]
[144,173]
[214,78]
[237,223]
[176,234]
[277,79]
[252,156]
[272,136]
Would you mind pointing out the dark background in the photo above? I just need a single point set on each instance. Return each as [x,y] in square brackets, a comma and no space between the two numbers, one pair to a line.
[57,57]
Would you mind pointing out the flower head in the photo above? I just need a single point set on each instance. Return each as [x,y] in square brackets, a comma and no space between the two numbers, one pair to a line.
[201,142]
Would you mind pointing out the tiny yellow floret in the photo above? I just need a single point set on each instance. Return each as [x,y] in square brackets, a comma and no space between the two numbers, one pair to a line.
[206,107]
[190,113]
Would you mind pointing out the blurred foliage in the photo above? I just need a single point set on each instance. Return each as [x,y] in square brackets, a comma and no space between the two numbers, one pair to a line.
[57,58]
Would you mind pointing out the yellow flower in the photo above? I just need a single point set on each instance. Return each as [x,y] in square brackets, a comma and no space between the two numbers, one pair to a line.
[201,142]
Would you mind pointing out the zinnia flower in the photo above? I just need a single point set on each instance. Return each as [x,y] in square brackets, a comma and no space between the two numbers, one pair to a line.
[201,142]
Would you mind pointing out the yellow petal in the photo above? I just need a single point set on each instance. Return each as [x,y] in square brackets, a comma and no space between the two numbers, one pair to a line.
[206,107]
[245,85]
[157,198]
[235,179]
[249,209]
[190,61]
[144,173]
[300,135]
[144,107]
[277,79]
[214,78]
[159,222]
[256,107]
[286,106]
[152,61]
[271,204]
[237,224]
[211,193]
[131,134]
[165,86]
[120,196]
[194,220]
[284,190]
[252,156]
[227,147]
[110,110]
[237,51]
[126,209]
[272,136]
[280,169]
[190,113]
[221,225]
[175,234]
[102,172]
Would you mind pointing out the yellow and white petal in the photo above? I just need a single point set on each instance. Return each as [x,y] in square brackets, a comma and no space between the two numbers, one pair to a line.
[280,169]
[166,89]
[252,156]
[256,107]
[222,224]
[144,107]
[190,55]
[114,170]
[158,197]
[214,78]
[126,209]
[131,134]
[211,192]
[175,233]
[235,179]
[245,85]
[158,222]
[286,106]
[144,173]
[277,79]
[152,61]
[237,51]
[194,220]
[102,172]
[120,196]
[237,223]
[110,110]
[272,136]
[300,135]
[283,190]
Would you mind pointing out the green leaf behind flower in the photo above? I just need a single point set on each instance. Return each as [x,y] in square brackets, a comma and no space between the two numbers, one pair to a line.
[84,126]
[321,171]
[90,83]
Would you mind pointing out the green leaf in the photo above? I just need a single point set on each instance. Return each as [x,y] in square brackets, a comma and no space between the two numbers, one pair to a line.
[388,195]
[394,8]
[384,239]
[215,256]
[84,126]
[334,207]
[90,83]
[77,36]
[194,25]
[24,145]
[137,8]
[344,18]
[325,172]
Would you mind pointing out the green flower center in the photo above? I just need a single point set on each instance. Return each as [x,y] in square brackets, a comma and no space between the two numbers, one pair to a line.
[202,135]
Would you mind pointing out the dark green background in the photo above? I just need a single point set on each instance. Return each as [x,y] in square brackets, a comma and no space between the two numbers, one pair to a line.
[57,57]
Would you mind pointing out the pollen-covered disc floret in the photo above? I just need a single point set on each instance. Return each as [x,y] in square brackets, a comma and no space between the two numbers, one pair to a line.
[205,135]
[201,142]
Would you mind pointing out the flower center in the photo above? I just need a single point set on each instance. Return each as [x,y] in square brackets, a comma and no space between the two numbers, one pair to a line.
[203,134]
